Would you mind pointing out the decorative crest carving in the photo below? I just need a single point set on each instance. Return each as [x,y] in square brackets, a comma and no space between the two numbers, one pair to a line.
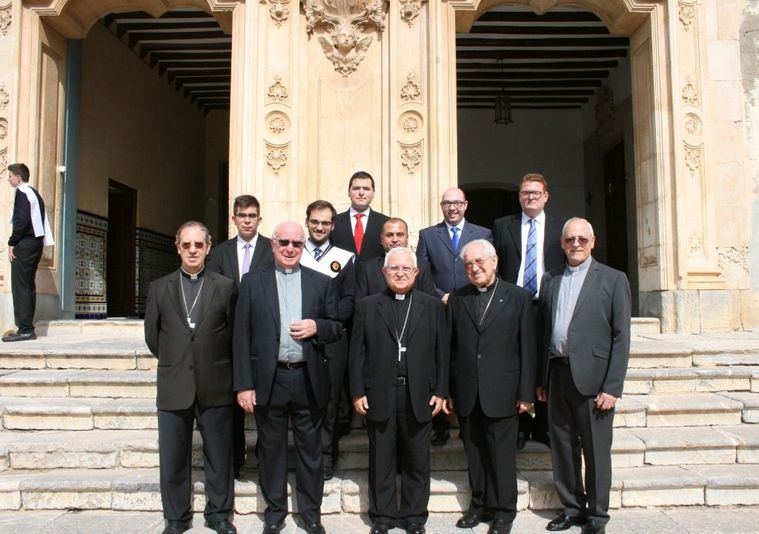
[276,157]
[693,124]
[410,125]
[693,158]
[687,14]
[277,125]
[343,23]
[277,90]
[411,157]
[279,11]
[411,92]
[3,129]
[690,94]
[410,10]
[5,98]
[6,16]
[4,163]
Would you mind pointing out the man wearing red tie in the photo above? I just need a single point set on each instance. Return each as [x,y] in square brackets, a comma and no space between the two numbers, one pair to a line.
[358,229]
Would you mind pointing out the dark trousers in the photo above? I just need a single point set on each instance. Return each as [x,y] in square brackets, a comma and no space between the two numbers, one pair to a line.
[175,456]
[399,436]
[28,253]
[238,437]
[490,445]
[290,398]
[535,426]
[578,427]
[337,353]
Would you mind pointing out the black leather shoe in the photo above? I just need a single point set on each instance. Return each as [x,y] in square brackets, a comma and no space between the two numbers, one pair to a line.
[594,526]
[315,528]
[18,336]
[564,522]
[415,528]
[175,527]
[222,527]
[328,467]
[379,528]
[500,526]
[521,440]
[472,519]
[440,437]
[542,437]
[273,529]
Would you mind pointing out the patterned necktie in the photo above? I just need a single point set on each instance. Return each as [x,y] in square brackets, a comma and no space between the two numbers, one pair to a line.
[531,261]
[245,260]
[358,233]
[455,238]
[317,253]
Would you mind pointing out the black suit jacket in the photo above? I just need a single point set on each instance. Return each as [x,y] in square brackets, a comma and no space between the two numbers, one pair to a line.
[496,360]
[191,362]
[370,280]
[342,236]
[257,326]
[507,239]
[374,349]
[223,258]
[598,339]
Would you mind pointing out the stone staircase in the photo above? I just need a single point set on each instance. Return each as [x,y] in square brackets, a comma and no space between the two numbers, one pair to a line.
[77,413]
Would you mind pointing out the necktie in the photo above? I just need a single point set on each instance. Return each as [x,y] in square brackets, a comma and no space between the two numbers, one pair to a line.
[455,238]
[245,260]
[317,253]
[358,233]
[531,261]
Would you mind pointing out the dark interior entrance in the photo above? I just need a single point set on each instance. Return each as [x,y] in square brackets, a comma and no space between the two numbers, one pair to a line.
[488,204]
[616,207]
[120,250]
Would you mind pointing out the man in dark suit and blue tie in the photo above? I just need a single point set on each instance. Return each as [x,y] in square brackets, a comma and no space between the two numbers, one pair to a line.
[439,247]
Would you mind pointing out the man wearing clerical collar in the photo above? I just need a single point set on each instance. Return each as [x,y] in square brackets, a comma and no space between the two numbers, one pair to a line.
[286,314]
[398,363]
[188,327]
[493,365]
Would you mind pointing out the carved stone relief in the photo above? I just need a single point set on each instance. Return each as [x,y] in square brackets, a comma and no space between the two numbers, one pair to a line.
[410,11]
[278,126]
[690,94]
[696,244]
[411,156]
[410,127]
[5,97]
[3,129]
[277,91]
[342,25]
[687,15]
[410,92]
[279,11]
[6,16]
[276,157]
[734,256]
[693,158]
[4,163]
[693,126]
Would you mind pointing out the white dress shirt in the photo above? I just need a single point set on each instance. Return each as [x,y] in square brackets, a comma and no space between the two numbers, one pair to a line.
[364,219]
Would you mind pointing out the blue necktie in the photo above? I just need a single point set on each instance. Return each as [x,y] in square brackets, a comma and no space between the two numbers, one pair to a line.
[317,253]
[455,238]
[531,261]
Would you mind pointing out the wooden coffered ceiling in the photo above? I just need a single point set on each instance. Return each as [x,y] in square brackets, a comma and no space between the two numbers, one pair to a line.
[553,61]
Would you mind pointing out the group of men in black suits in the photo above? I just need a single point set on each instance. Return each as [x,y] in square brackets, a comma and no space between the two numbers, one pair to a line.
[475,323]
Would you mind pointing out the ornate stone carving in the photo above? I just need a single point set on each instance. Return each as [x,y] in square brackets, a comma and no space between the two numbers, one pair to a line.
[5,97]
[411,92]
[737,256]
[277,125]
[342,24]
[411,157]
[6,16]
[276,157]
[690,94]
[693,124]
[695,244]
[693,158]
[3,164]
[687,15]
[410,11]
[277,91]
[3,129]
[279,11]
[410,125]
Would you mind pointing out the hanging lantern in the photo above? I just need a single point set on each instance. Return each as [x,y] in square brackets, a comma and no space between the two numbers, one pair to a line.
[502,101]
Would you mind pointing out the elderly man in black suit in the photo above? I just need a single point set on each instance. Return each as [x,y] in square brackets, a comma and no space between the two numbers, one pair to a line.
[585,345]
[247,251]
[399,380]
[493,366]
[286,313]
[188,327]
[529,244]
[357,230]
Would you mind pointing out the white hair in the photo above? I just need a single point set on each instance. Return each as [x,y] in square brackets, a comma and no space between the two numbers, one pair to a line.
[486,246]
[397,251]
[577,219]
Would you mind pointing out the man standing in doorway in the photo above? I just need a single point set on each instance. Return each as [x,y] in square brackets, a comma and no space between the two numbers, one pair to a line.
[529,244]
[188,327]
[358,229]
[584,318]
[439,247]
[31,232]
[247,251]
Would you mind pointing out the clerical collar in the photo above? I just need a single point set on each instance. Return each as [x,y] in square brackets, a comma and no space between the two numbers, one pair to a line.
[488,288]
[581,267]
[287,270]
[399,296]
[192,276]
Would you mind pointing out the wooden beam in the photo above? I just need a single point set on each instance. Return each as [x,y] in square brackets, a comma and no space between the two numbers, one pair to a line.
[528,75]
[533,100]
[520,106]
[549,42]
[199,63]
[546,65]
[538,30]
[556,16]
[546,84]
[541,54]
[138,37]
[518,93]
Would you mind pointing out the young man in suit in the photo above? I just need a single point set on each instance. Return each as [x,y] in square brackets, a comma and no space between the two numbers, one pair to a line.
[188,327]
[529,244]
[247,251]
[585,346]
[493,366]
[439,247]
[358,229]
[399,380]
[286,314]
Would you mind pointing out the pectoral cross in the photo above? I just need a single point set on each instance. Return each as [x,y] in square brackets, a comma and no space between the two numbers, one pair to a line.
[401,350]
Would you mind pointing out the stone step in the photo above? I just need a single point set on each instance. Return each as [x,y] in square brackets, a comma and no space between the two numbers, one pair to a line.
[112,327]
[72,352]
[138,490]
[714,349]
[79,383]
[684,410]
[26,413]
[691,380]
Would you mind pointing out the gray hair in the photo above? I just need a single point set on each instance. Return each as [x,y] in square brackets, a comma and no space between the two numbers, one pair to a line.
[197,224]
[576,219]
[275,232]
[399,250]
[486,246]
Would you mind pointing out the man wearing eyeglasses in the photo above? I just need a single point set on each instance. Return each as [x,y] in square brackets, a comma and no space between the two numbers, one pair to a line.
[286,314]
[439,247]
[529,244]
[188,327]
[493,366]
[584,323]
[245,252]
[399,379]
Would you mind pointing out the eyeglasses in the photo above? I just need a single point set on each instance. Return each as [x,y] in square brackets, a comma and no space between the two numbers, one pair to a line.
[579,239]
[531,194]
[187,244]
[287,242]
[452,203]
[480,262]
[316,223]
[395,269]
[252,216]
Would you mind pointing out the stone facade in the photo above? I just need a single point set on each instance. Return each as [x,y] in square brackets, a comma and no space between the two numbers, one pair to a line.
[319,89]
